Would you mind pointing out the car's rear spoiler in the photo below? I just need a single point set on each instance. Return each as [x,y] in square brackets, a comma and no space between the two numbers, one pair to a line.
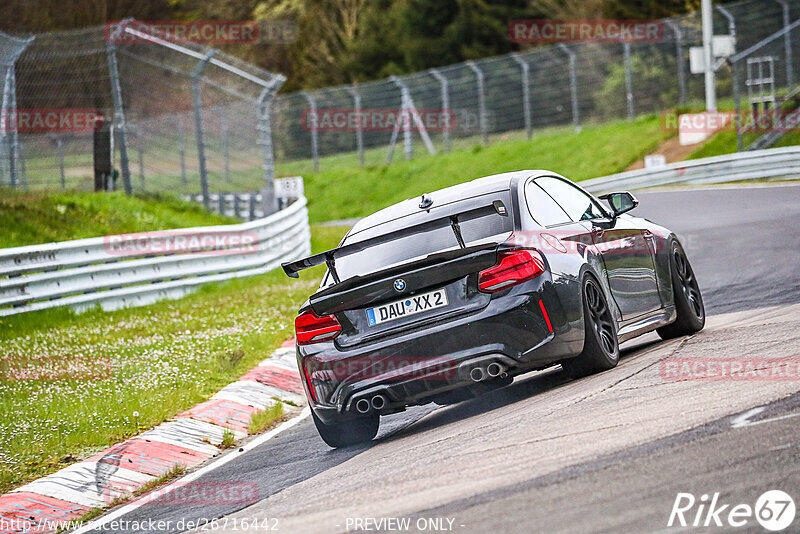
[291,268]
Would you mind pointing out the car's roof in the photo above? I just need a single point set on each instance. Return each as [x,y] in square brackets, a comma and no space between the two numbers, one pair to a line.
[473,188]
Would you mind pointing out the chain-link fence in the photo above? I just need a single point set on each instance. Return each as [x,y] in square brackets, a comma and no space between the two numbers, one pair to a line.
[765,87]
[183,117]
[511,96]
[191,119]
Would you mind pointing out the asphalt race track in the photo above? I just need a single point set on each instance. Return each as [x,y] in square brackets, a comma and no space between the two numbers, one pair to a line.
[608,453]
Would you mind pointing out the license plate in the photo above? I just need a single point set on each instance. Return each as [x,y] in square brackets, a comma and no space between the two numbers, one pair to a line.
[407,306]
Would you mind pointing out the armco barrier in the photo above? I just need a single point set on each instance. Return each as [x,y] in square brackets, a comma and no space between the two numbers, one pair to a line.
[772,163]
[88,272]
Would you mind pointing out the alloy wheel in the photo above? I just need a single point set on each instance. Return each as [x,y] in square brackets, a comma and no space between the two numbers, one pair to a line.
[689,284]
[600,318]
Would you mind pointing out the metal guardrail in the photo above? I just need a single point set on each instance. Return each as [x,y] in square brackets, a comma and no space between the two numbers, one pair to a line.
[138,269]
[771,163]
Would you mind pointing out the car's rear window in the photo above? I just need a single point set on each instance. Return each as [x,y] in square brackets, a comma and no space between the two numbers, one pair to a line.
[492,227]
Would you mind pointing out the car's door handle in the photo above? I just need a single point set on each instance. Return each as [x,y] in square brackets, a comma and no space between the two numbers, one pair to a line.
[648,234]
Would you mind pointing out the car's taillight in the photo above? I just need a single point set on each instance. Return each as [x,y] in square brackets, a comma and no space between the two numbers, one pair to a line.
[311,328]
[512,268]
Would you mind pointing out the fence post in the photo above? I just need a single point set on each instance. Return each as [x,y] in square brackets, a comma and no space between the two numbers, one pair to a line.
[731,24]
[9,102]
[264,128]
[181,149]
[411,119]
[736,104]
[679,61]
[353,90]
[120,127]
[445,105]
[14,151]
[626,48]
[226,155]
[4,119]
[526,96]
[573,86]
[405,116]
[787,44]
[197,104]
[312,105]
[734,74]
[481,100]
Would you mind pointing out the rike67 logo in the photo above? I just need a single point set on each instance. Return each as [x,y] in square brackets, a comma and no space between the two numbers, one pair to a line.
[774,510]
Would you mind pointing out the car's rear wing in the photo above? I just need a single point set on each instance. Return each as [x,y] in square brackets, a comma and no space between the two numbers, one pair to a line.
[292,268]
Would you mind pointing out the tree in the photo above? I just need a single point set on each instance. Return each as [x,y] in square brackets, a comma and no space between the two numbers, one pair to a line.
[328,31]
[613,9]
[419,34]
[35,16]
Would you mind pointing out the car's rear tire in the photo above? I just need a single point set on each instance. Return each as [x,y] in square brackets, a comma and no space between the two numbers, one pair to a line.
[600,347]
[686,293]
[346,433]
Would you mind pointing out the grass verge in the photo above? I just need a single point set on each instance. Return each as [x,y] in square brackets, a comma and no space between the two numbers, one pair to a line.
[263,419]
[28,218]
[597,150]
[95,379]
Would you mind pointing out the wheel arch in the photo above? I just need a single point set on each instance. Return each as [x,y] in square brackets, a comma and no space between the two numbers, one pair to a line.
[602,280]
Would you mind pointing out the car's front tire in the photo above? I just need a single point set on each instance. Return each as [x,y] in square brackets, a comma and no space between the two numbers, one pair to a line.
[686,293]
[600,346]
[350,432]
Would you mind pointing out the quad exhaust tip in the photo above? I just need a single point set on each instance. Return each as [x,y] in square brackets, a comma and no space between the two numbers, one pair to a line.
[494,369]
[477,374]
[378,402]
[362,406]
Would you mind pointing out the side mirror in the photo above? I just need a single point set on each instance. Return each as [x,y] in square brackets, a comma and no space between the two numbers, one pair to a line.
[621,202]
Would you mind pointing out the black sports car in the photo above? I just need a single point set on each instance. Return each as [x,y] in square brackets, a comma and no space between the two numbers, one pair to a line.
[441,297]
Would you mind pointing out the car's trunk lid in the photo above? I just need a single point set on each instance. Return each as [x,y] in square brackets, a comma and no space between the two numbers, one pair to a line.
[450,276]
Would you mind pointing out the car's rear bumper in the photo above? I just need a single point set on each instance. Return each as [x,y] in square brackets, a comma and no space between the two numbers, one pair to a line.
[413,367]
